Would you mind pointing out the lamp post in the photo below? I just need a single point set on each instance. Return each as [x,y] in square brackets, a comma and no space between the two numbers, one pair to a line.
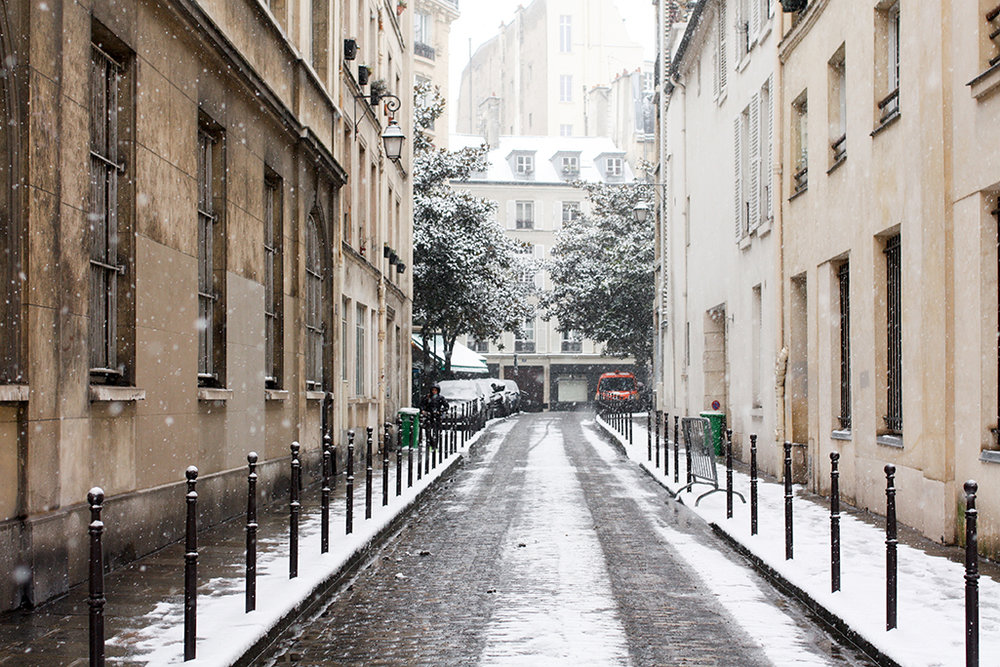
[392,136]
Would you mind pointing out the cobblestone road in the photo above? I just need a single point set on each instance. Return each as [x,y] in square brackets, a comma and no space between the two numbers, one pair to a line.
[549,548]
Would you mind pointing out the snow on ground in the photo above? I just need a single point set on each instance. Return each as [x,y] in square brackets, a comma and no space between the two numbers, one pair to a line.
[931,593]
[777,634]
[225,631]
[557,607]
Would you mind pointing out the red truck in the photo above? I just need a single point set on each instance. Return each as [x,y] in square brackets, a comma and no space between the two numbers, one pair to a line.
[617,386]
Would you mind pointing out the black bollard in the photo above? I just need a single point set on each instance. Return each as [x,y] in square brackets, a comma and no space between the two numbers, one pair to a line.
[677,445]
[368,472]
[423,437]
[294,508]
[834,521]
[191,565]
[349,519]
[432,440]
[409,456]
[729,473]
[399,456]
[687,459]
[666,443]
[971,576]
[890,546]
[95,497]
[631,424]
[386,440]
[649,435]
[788,501]
[324,495]
[656,461]
[753,483]
[251,574]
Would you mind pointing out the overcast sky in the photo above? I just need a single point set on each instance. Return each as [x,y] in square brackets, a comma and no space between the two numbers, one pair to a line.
[481,20]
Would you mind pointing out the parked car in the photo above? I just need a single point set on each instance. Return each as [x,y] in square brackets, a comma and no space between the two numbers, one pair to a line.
[459,393]
[511,396]
[492,388]
[619,386]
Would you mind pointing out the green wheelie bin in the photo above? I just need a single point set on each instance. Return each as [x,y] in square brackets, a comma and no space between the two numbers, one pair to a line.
[410,423]
[717,420]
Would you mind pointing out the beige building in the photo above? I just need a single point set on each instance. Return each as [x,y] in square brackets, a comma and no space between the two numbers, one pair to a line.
[533,77]
[531,180]
[881,279]
[431,27]
[194,219]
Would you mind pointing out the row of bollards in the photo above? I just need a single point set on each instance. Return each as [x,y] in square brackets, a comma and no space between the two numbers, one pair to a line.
[657,422]
[440,443]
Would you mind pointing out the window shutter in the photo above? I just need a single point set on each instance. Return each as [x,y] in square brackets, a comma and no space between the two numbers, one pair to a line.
[511,215]
[722,48]
[539,274]
[737,178]
[769,158]
[754,19]
[755,161]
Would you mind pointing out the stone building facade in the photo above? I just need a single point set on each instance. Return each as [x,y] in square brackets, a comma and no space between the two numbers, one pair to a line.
[193,227]
[432,21]
[880,285]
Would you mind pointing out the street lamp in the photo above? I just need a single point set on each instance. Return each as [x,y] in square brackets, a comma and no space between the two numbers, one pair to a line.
[640,212]
[393,138]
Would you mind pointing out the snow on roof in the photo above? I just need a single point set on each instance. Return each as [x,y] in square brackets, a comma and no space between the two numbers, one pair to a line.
[592,153]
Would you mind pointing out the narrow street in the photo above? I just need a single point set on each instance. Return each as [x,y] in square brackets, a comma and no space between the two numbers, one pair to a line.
[549,547]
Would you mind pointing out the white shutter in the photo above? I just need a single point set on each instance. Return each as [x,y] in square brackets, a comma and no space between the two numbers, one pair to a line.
[769,158]
[755,161]
[738,178]
[754,19]
[722,48]
[539,273]
[511,215]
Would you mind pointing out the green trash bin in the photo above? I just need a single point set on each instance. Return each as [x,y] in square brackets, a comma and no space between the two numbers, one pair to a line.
[717,420]
[410,422]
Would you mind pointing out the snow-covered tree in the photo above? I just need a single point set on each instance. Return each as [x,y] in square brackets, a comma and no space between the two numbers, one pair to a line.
[467,274]
[602,272]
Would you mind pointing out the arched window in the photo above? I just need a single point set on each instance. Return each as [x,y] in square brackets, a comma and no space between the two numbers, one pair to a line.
[315,330]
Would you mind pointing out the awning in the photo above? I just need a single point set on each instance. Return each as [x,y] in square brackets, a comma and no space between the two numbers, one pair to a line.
[463,360]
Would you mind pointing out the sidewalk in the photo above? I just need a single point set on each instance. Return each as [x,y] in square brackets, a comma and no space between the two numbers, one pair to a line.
[144,612]
[931,585]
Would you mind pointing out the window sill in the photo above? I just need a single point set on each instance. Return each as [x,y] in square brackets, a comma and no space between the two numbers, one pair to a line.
[315,395]
[986,83]
[842,434]
[101,392]
[989,456]
[744,242]
[13,393]
[891,120]
[836,165]
[799,193]
[214,394]
[275,394]
[895,441]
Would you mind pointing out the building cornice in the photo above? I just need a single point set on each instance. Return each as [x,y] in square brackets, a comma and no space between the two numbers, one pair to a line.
[800,29]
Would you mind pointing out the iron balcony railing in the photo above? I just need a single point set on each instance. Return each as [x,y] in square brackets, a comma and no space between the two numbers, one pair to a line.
[423,50]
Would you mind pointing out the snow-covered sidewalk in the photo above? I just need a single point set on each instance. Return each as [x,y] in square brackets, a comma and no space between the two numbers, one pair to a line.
[225,631]
[931,602]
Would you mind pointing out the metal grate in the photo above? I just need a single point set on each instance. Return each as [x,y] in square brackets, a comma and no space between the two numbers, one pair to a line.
[843,278]
[894,361]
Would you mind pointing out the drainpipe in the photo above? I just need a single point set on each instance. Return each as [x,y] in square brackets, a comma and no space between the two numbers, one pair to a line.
[781,363]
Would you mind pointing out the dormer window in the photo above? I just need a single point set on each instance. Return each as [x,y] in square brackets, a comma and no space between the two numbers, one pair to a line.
[570,165]
[613,166]
[524,165]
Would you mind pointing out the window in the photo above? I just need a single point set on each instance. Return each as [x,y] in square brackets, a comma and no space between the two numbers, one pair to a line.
[110,235]
[525,340]
[565,87]
[743,28]
[837,112]
[800,144]
[565,34]
[273,279]
[315,334]
[321,38]
[359,351]
[480,346]
[894,341]
[11,234]
[993,34]
[422,44]
[344,306]
[741,169]
[613,166]
[721,66]
[525,265]
[572,342]
[766,153]
[211,257]
[525,215]
[888,24]
[566,130]
[570,211]
[570,165]
[524,164]
[757,315]
[844,283]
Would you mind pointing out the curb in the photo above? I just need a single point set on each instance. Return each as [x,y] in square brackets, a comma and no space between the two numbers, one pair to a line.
[827,618]
[361,555]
